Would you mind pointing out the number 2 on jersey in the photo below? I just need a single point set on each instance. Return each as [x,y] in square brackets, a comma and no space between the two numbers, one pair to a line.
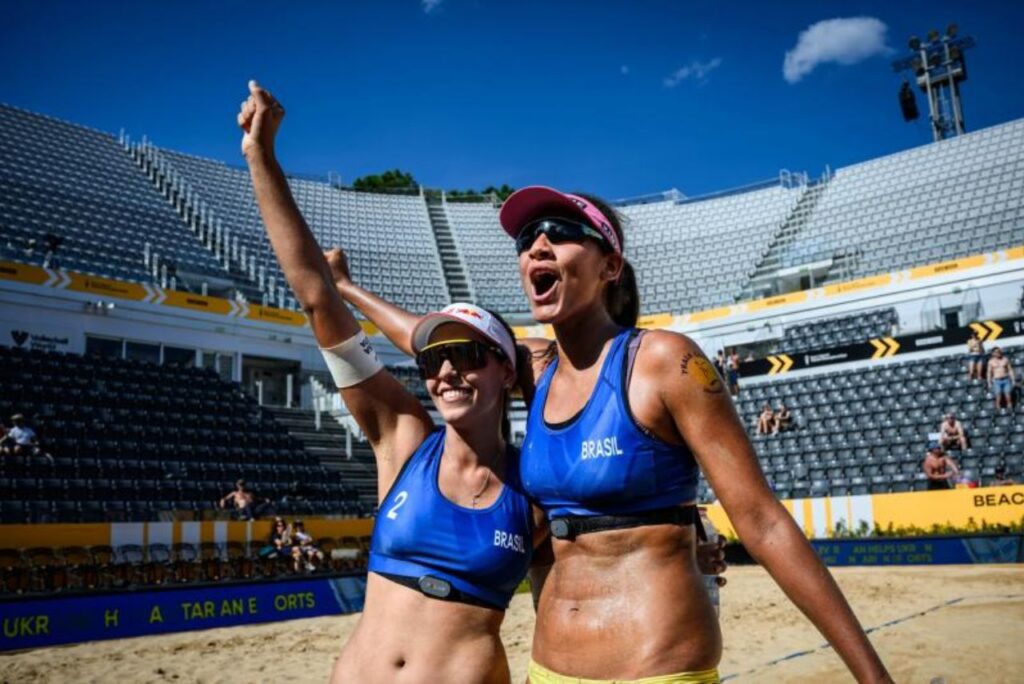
[399,500]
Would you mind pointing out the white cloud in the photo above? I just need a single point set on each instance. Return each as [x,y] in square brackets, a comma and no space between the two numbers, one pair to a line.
[695,70]
[844,41]
[430,5]
[624,70]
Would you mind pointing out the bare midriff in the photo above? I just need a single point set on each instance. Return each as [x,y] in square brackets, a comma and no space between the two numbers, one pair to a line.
[626,604]
[404,636]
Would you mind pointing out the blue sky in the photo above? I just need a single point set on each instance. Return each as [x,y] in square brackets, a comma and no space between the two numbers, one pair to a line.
[617,98]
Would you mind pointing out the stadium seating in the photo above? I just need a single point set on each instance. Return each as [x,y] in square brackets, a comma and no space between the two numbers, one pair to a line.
[698,254]
[953,198]
[80,185]
[134,441]
[834,332]
[80,569]
[489,255]
[866,431]
[388,238]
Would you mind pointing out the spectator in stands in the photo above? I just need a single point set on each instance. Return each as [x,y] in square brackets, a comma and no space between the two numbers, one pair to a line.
[766,421]
[244,501]
[303,550]
[783,419]
[939,468]
[4,439]
[1000,478]
[719,362]
[280,542]
[732,367]
[1001,379]
[22,440]
[951,433]
[975,357]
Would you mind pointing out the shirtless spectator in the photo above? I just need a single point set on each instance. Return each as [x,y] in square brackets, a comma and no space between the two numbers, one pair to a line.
[939,468]
[1001,379]
[719,362]
[243,500]
[975,358]
[783,419]
[765,421]
[732,371]
[951,433]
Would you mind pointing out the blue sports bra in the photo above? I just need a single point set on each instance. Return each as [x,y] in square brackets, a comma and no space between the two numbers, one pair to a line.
[420,535]
[601,462]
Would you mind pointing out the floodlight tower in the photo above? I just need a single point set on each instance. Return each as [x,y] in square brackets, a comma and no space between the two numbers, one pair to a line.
[939,68]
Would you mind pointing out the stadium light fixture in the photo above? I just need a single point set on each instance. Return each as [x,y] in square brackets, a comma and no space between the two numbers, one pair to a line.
[939,68]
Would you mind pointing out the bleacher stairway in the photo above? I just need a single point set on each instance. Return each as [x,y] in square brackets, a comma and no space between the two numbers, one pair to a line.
[459,289]
[328,444]
[759,284]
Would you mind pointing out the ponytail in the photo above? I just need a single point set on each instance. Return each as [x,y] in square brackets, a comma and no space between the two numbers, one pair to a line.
[622,298]
[506,424]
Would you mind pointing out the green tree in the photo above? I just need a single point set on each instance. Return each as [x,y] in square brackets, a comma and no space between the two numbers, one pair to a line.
[395,178]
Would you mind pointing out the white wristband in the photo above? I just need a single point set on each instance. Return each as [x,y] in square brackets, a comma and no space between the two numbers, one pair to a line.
[352,361]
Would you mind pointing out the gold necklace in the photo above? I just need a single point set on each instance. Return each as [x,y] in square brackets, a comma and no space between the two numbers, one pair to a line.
[487,481]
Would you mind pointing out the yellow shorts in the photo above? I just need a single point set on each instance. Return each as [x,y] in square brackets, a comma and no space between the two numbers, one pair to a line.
[538,674]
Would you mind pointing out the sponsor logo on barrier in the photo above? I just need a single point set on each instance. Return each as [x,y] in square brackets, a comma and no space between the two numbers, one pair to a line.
[987,330]
[781,363]
[884,347]
[1012,499]
[70,619]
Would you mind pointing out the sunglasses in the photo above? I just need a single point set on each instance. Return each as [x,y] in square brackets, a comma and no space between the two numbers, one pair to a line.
[558,231]
[464,355]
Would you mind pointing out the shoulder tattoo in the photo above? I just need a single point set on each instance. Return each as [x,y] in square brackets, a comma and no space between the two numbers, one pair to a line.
[696,366]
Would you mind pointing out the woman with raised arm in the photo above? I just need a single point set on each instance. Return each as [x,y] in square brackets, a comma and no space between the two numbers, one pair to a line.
[454,536]
[619,421]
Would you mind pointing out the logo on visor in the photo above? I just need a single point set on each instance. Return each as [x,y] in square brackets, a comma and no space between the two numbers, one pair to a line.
[579,203]
[469,312]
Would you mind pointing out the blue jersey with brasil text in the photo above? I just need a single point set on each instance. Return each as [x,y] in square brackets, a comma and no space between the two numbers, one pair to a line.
[601,462]
[483,552]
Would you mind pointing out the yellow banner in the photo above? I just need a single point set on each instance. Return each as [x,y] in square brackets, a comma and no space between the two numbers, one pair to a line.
[186,300]
[268,314]
[959,508]
[23,273]
[662,320]
[948,267]
[857,285]
[106,286]
[1015,253]
[781,300]
[709,314]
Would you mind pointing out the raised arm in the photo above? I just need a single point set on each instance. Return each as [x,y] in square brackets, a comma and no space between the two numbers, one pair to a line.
[392,419]
[703,414]
[395,322]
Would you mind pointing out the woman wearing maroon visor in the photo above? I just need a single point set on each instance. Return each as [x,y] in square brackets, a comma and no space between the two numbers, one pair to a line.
[622,599]
[621,554]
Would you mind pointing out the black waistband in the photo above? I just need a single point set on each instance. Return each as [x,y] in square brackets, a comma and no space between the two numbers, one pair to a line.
[437,588]
[569,527]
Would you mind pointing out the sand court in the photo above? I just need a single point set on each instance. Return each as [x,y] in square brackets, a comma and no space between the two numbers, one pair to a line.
[958,623]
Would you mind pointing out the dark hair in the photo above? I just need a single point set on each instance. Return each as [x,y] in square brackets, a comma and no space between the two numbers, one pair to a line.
[506,425]
[622,297]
